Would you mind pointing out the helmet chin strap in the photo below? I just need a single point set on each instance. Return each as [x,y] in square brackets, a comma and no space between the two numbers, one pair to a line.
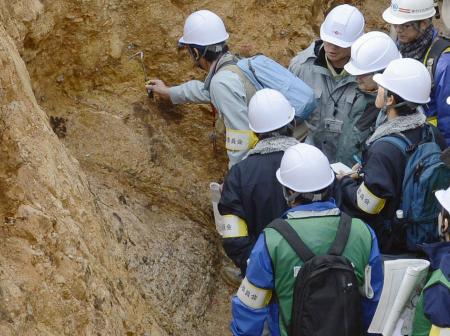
[313,197]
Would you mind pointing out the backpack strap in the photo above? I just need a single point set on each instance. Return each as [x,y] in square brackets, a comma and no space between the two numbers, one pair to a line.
[400,141]
[439,46]
[291,236]
[342,234]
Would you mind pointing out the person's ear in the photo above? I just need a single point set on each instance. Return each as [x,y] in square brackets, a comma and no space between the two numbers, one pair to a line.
[423,24]
[390,100]
[196,53]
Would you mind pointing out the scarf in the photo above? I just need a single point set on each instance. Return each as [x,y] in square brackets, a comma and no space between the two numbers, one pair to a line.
[417,48]
[272,145]
[397,125]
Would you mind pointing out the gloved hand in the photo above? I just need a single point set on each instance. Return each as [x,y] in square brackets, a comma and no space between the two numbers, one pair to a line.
[158,86]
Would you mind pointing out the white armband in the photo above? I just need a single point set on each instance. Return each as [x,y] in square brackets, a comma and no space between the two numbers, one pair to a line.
[252,296]
[368,202]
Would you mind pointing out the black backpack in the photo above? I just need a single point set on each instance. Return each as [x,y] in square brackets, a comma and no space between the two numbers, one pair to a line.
[326,298]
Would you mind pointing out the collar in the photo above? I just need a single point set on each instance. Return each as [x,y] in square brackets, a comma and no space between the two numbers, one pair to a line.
[398,124]
[333,71]
[227,57]
[315,209]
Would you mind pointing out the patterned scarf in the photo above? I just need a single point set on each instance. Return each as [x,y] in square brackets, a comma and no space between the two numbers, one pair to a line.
[418,47]
[274,144]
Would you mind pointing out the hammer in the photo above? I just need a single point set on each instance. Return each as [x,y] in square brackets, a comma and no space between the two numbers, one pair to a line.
[141,59]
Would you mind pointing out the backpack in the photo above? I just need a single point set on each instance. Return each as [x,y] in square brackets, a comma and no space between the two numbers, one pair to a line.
[326,299]
[424,174]
[438,47]
[264,72]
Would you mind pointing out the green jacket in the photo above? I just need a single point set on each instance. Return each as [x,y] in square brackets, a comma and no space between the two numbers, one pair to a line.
[358,126]
[318,233]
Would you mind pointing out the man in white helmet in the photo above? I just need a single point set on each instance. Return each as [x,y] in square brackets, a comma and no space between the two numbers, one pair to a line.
[370,54]
[251,196]
[417,38]
[225,86]
[376,193]
[321,66]
[338,306]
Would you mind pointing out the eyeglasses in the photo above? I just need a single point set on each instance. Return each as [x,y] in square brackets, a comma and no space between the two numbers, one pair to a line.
[403,26]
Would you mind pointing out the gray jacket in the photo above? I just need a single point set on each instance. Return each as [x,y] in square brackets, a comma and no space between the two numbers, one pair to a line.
[226,91]
[335,97]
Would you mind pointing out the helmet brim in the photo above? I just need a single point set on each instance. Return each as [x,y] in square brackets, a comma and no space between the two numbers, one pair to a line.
[334,40]
[440,196]
[353,70]
[390,18]
[183,41]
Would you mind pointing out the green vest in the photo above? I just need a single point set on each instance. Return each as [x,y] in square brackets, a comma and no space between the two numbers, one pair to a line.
[422,325]
[318,233]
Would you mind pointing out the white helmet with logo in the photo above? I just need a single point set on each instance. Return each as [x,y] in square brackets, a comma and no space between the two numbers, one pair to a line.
[402,11]
[342,26]
[305,169]
[203,28]
[407,78]
[269,110]
[372,52]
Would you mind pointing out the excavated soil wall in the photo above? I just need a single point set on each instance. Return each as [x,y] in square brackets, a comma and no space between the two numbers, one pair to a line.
[106,227]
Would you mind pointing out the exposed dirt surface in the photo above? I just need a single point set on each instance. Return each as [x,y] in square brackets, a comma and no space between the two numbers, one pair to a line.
[106,226]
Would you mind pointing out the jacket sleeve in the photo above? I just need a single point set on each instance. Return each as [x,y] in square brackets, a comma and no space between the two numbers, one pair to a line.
[366,198]
[236,241]
[250,306]
[190,92]
[373,279]
[441,93]
[229,98]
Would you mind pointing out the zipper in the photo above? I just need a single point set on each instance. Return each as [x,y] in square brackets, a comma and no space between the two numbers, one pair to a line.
[345,307]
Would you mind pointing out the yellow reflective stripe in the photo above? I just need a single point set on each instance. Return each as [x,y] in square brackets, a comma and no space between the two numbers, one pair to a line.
[446,50]
[234,226]
[240,140]
[368,202]
[436,331]
[433,121]
[252,296]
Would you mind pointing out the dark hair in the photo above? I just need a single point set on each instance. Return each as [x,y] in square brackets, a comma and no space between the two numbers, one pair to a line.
[407,108]
[306,198]
[211,56]
[286,130]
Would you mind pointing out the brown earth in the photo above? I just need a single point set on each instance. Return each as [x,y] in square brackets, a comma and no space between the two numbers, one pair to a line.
[106,224]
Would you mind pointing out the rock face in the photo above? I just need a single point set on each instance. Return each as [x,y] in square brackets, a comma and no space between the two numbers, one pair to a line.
[106,227]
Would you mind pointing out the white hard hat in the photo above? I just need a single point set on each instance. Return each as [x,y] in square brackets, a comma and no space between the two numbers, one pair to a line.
[372,52]
[443,196]
[407,78]
[203,28]
[342,26]
[269,110]
[402,11]
[304,168]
